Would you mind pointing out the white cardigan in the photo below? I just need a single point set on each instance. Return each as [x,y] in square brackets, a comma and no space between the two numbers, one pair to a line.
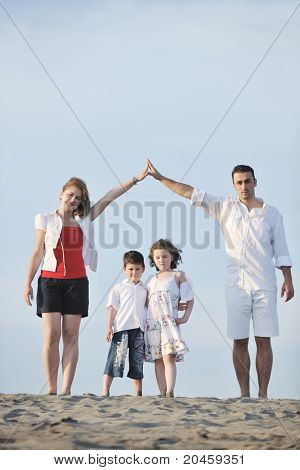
[51,223]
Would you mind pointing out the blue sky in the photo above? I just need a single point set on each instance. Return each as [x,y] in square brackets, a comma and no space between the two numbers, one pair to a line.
[146,79]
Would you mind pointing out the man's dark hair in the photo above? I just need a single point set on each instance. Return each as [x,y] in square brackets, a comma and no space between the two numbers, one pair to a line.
[133,257]
[243,169]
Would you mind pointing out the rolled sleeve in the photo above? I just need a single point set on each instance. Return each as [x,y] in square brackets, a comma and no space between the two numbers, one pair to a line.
[114,298]
[211,204]
[40,222]
[197,197]
[283,261]
[281,252]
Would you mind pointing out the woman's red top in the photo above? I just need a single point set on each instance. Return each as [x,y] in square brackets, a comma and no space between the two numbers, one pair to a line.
[68,252]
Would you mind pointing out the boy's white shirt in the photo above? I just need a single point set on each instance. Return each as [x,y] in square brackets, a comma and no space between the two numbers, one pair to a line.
[129,300]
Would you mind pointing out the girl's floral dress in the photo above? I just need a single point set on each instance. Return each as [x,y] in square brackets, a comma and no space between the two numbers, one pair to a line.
[162,335]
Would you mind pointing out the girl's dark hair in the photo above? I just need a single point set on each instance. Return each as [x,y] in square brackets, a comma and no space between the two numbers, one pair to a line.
[164,244]
[133,257]
[243,169]
[85,206]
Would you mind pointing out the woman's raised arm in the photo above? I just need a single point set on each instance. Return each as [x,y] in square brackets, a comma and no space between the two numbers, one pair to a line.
[114,193]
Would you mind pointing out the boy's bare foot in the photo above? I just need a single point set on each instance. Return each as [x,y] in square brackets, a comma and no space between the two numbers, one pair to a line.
[139,393]
[170,395]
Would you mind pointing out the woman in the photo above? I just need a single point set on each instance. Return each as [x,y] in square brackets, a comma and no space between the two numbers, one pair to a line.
[65,239]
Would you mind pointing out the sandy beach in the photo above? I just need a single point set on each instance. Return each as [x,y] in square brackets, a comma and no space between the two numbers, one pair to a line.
[125,422]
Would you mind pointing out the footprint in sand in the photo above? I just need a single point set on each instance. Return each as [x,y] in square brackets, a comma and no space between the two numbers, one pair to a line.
[14,414]
[183,403]
[68,420]
[289,414]
[115,415]
[166,441]
[191,412]
[147,425]
[249,416]
[7,440]
[268,412]
[88,445]
[133,410]
[166,407]
[206,422]
[155,402]
[48,424]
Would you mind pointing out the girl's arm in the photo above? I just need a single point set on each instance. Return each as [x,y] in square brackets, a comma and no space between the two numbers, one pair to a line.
[186,305]
[35,261]
[112,312]
[188,311]
[114,193]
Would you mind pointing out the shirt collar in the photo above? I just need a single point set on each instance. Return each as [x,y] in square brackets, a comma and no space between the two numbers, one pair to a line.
[255,209]
[128,282]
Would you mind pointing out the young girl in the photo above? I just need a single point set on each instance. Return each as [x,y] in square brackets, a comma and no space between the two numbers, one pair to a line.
[164,344]
[65,239]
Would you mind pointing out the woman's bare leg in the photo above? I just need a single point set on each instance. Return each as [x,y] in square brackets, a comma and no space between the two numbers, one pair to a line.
[52,334]
[70,331]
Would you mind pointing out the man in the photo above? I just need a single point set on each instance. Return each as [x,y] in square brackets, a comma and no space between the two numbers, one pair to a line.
[254,235]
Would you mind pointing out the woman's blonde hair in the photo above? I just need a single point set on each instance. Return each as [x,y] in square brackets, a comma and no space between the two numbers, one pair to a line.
[85,205]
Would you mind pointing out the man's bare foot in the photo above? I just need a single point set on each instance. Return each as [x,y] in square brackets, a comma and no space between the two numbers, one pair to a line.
[170,395]
[262,396]
[139,393]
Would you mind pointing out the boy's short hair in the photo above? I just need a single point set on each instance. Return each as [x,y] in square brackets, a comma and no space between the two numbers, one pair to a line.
[134,257]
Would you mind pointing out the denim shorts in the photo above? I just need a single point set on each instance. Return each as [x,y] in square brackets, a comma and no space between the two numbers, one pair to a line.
[121,341]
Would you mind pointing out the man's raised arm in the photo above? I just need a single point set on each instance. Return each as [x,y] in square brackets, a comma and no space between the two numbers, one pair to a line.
[179,188]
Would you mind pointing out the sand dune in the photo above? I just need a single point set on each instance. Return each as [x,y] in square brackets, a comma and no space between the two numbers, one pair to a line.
[125,422]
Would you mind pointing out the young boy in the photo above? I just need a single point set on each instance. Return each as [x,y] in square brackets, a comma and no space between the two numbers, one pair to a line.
[125,325]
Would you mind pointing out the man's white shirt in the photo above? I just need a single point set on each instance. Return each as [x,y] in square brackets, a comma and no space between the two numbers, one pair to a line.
[129,300]
[252,240]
